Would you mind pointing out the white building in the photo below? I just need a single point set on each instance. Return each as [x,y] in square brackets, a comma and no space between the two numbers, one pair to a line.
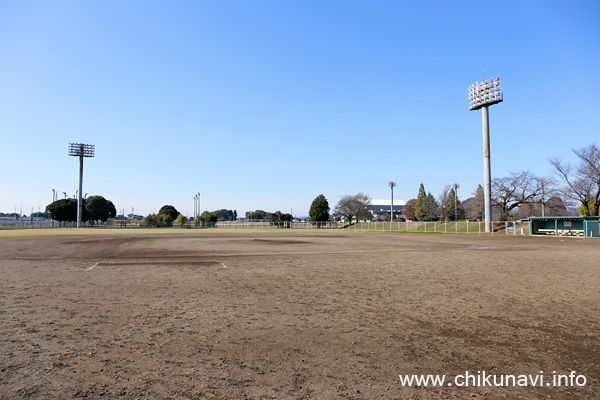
[381,207]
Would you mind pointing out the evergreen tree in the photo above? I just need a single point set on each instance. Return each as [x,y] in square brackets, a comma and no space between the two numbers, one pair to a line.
[478,209]
[453,208]
[430,208]
[319,209]
[419,206]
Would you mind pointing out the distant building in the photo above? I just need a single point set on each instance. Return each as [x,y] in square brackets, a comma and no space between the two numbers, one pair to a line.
[381,207]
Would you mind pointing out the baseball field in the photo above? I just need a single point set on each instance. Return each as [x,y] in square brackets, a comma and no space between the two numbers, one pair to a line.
[297,315]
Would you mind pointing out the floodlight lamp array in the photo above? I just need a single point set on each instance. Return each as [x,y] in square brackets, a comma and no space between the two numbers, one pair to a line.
[485,93]
[392,184]
[81,150]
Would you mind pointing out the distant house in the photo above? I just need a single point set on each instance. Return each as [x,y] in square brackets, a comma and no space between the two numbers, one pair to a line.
[381,207]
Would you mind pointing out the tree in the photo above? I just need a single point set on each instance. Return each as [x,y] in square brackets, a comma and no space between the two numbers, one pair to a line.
[165,220]
[353,206]
[419,211]
[514,190]
[181,220]
[475,206]
[197,221]
[582,210]
[208,218]
[225,215]
[169,212]
[555,206]
[99,209]
[151,221]
[257,214]
[582,182]
[454,210]
[430,208]
[63,210]
[319,210]
[408,211]
[279,218]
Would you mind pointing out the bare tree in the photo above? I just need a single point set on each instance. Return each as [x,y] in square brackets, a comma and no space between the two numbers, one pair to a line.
[514,190]
[443,202]
[582,182]
[353,206]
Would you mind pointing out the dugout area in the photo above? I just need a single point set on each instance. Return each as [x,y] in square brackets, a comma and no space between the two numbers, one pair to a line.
[565,226]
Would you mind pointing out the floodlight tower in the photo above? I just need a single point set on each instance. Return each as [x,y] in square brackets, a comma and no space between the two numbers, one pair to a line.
[392,185]
[482,95]
[80,150]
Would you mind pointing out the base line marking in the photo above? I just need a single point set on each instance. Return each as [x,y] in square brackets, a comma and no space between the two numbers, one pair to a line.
[92,266]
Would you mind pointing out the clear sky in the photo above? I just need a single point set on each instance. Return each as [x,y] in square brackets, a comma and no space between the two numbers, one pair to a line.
[267,104]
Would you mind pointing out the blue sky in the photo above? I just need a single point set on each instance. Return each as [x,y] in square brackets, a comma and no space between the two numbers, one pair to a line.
[267,104]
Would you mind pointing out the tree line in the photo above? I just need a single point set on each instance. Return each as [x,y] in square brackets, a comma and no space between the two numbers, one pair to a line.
[95,209]
[522,194]
[517,195]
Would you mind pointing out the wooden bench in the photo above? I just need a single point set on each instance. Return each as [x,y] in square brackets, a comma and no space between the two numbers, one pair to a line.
[564,232]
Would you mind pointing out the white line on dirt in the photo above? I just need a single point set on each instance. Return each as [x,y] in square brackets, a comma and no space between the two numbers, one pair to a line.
[309,253]
[92,266]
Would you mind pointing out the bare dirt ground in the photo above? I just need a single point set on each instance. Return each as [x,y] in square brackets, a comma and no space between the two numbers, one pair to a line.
[295,315]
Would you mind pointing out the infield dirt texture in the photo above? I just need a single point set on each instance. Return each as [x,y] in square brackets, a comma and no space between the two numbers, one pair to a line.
[294,315]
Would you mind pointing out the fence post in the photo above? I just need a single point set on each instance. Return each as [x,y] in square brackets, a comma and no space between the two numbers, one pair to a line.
[467,227]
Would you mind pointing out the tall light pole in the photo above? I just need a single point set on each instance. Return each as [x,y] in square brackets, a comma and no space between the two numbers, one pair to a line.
[80,150]
[482,95]
[455,186]
[199,208]
[392,185]
[196,205]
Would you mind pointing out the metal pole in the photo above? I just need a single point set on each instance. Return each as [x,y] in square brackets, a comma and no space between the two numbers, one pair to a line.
[487,170]
[543,182]
[79,201]
[392,207]
[455,202]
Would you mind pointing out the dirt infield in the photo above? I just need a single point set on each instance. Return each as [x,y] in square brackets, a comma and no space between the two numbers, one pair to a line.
[295,316]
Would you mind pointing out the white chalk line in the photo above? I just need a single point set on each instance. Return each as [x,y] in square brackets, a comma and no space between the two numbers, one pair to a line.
[92,266]
[309,253]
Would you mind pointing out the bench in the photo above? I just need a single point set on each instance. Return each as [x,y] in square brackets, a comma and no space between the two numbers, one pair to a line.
[564,232]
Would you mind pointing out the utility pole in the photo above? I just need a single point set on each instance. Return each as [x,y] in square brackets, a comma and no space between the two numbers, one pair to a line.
[543,183]
[455,186]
